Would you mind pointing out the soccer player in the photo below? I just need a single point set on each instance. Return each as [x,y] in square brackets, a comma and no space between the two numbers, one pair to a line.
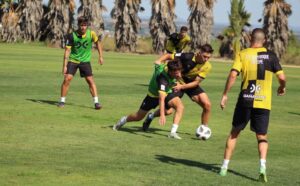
[77,55]
[256,65]
[159,88]
[178,41]
[195,69]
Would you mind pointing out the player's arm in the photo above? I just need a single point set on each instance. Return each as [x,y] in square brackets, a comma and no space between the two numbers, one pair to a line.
[162,97]
[66,59]
[163,58]
[282,83]
[190,85]
[98,44]
[229,83]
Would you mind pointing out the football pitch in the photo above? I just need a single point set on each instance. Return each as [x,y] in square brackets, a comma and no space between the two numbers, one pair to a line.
[41,144]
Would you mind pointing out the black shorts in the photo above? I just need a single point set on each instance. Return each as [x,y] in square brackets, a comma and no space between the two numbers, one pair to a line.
[152,102]
[194,91]
[190,92]
[85,68]
[259,119]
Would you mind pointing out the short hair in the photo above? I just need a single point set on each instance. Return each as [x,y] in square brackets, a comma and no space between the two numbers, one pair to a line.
[174,65]
[82,19]
[258,35]
[184,29]
[206,48]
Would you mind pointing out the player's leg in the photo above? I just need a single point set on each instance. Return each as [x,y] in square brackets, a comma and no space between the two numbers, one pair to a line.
[147,104]
[71,71]
[86,72]
[259,124]
[137,116]
[177,105]
[156,113]
[240,119]
[262,149]
[203,100]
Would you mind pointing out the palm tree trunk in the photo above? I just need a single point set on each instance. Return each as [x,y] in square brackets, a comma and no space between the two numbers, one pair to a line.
[10,27]
[30,15]
[59,19]
[127,24]
[275,24]
[200,21]
[162,23]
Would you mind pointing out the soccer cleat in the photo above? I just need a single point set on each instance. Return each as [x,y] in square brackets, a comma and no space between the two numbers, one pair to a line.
[174,135]
[61,104]
[262,175]
[223,171]
[147,121]
[98,106]
[120,123]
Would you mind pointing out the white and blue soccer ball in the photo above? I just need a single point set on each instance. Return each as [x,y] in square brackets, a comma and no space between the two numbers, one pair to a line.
[203,132]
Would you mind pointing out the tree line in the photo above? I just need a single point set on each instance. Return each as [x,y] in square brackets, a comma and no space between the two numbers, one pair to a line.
[30,20]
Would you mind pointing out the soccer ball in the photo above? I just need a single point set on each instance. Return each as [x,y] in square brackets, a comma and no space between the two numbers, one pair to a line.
[203,132]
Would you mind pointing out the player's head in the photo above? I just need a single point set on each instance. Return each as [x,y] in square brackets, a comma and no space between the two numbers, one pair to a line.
[258,36]
[183,32]
[203,53]
[82,24]
[174,68]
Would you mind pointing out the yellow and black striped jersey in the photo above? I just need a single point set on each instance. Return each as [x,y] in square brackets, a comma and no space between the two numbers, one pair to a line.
[191,69]
[257,66]
[176,45]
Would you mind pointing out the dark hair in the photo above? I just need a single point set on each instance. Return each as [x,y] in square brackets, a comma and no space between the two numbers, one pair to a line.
[174,65]
[82,19]
[183,29]
[255,34]
[206,48]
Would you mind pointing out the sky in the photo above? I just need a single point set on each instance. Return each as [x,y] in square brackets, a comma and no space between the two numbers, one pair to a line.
[221,10]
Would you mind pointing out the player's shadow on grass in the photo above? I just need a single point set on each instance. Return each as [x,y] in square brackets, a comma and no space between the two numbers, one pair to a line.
[294,113]
[209,167]
[40,101]
[43,101]
[138,131]
[143,85]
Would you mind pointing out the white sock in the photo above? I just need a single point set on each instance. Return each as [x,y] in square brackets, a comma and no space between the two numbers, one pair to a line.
[174,128]
[263,163]
[96,100]
[225,164]
[63,99]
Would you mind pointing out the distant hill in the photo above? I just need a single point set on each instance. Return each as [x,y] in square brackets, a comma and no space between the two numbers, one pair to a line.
[217,28]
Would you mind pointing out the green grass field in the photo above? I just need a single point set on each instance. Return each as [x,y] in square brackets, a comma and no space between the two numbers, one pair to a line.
[41,144]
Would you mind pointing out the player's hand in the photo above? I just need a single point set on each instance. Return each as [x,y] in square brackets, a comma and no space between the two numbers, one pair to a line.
[162,120]
[280,91]
[100,60]
[223,102]
[177,87]
[64,70]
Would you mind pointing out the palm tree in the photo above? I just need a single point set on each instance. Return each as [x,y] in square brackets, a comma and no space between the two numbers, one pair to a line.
[275,24]
[30,15]
[10,28]
[239,18]
[127,24]
[92,9]
[58,21]
[161,23]
[200,21]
